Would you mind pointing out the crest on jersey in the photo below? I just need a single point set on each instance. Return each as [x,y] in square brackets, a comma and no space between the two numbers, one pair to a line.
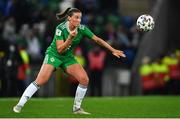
[52,59]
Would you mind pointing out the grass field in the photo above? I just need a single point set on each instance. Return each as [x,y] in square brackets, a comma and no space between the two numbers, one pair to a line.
[106,107]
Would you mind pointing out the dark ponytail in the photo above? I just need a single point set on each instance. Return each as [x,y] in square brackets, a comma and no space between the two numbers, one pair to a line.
[62,15]
[68,12]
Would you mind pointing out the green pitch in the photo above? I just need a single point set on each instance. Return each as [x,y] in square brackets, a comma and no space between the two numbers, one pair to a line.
[122,107]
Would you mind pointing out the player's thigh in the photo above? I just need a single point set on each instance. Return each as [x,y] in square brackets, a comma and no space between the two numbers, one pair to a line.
[78,72]
[44,73]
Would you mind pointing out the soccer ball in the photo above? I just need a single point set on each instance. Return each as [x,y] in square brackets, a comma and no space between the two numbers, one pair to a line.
[145,23]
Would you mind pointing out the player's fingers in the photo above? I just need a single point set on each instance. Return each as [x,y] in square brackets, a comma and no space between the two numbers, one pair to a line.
[118,56]
[115,54]
[123,55]
[121,51]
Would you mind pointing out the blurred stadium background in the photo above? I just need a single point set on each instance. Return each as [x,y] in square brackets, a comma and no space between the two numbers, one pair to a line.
[152,66]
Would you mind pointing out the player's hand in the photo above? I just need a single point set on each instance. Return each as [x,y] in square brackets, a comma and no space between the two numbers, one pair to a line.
[118,53]
[72,34]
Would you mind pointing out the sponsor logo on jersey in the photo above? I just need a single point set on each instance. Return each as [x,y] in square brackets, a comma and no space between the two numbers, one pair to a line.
[58,32]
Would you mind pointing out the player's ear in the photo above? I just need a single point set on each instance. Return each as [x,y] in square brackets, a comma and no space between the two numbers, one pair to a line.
[68,18]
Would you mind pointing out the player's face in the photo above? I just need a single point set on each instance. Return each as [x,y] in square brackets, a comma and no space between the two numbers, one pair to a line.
[75,19]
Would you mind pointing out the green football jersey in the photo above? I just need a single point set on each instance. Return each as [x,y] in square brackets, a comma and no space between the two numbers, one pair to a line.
[62,33]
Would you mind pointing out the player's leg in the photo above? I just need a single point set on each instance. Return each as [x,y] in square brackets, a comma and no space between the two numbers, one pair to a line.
[43,76]
[77,71]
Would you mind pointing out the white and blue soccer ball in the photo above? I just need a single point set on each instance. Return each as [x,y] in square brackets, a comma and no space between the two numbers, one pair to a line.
[145,23]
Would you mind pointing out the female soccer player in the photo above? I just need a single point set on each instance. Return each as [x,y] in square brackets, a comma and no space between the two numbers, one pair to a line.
[67,36]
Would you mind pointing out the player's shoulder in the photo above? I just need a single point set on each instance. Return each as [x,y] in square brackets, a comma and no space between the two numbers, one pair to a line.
[61,26]
[82,27]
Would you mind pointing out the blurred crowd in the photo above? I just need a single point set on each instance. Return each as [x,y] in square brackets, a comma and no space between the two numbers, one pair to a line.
[27,28]
[161,75]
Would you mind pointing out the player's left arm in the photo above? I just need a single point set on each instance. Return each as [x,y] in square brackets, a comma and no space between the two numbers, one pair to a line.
[87,32]
[115,52]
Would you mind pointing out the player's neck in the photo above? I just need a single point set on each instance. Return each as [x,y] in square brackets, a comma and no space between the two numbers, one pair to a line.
[70,27]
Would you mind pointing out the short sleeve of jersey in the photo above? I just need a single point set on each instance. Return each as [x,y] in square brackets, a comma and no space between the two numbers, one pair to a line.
[87,32]
[58,34]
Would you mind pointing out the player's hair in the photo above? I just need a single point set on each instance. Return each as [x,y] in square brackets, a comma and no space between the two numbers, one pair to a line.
[68,12]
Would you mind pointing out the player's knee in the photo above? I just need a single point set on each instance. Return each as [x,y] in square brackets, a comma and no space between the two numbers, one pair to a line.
[84,81]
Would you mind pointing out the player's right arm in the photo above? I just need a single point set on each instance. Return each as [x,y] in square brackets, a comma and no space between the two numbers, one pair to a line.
[62,45]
